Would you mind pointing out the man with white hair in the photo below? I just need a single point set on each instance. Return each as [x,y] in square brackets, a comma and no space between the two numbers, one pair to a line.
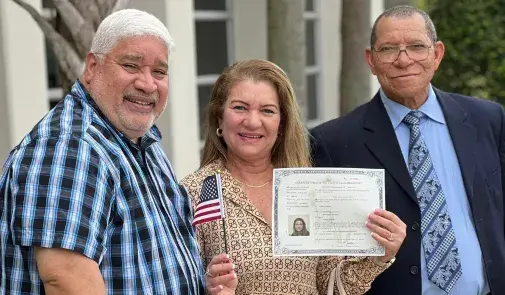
[90,204]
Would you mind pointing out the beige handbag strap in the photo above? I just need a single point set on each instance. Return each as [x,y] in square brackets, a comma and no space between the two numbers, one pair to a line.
[331,281]
[335,279]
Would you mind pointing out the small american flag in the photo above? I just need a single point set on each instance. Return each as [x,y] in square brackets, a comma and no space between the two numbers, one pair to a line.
[210,205]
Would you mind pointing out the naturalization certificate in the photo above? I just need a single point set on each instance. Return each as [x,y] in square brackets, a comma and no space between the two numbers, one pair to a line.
[322,211]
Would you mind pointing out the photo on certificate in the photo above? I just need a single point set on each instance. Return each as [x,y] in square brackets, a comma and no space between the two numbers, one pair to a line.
[322,211]
[301,225]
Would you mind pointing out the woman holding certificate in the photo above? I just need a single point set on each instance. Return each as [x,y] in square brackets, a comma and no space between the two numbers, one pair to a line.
[253,126]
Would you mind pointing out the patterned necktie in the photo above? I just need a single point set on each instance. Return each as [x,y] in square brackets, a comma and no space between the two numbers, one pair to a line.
[440,250]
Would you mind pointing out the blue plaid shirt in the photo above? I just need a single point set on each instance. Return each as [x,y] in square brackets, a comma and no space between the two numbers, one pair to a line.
[75,182]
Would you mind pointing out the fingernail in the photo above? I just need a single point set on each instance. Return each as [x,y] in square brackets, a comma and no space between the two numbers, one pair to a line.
[234,275]
[233,266]
[227,256]
[366,223]
[372,234]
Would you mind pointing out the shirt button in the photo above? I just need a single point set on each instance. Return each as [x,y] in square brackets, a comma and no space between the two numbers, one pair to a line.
[415,226]
[414,270]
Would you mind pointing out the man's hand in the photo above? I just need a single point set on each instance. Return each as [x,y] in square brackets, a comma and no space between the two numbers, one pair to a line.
[388,230]
[66,272]
[220,277]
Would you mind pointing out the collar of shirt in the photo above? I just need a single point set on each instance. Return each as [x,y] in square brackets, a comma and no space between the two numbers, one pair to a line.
[153,134]
[396,111]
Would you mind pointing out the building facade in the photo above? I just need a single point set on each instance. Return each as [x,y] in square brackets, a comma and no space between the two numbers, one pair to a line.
[209,35]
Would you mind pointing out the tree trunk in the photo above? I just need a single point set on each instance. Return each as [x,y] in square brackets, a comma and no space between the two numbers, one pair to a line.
[392,3]
[355,75]
[286,44]
[73,31]
[66,81]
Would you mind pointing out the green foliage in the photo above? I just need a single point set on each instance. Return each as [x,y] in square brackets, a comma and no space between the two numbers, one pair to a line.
[473,32]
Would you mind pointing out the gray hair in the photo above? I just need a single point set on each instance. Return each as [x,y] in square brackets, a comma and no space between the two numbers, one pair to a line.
[125,24]
[402,12]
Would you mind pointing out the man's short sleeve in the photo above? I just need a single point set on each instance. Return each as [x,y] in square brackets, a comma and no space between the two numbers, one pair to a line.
[61,196]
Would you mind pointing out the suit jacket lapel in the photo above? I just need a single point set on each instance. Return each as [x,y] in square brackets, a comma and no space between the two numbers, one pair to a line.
[380,138]
[464,138]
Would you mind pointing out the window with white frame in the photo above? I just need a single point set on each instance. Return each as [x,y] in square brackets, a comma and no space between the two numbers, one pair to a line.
[214,52]
[54,76]
[313,63]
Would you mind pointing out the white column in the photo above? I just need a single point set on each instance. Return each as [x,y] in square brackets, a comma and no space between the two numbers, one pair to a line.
[182,110]
[331,57]
[179,122]
[250,29]
[376,7]
[23,76]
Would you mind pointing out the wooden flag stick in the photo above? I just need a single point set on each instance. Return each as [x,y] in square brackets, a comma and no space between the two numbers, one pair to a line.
[221,201]
[225,236]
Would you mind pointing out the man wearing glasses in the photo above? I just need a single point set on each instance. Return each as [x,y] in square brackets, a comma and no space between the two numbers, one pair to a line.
[444,156]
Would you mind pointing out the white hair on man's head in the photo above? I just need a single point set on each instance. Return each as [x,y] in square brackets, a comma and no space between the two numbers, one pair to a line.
[125,24]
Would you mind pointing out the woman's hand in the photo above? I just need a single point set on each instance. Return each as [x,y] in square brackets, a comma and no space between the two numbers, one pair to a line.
[220,277]
[388,230]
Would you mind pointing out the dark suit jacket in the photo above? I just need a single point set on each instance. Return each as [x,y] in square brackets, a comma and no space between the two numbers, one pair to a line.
[365,138]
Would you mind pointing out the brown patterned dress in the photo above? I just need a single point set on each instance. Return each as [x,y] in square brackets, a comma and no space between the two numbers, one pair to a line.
[250,248]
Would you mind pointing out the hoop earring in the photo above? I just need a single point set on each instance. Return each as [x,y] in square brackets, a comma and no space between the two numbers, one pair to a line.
[219,132]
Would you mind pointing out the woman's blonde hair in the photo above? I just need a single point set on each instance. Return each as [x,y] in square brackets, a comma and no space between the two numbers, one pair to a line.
[291,129]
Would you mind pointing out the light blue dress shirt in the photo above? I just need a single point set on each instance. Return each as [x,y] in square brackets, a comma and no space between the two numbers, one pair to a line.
[436,135]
